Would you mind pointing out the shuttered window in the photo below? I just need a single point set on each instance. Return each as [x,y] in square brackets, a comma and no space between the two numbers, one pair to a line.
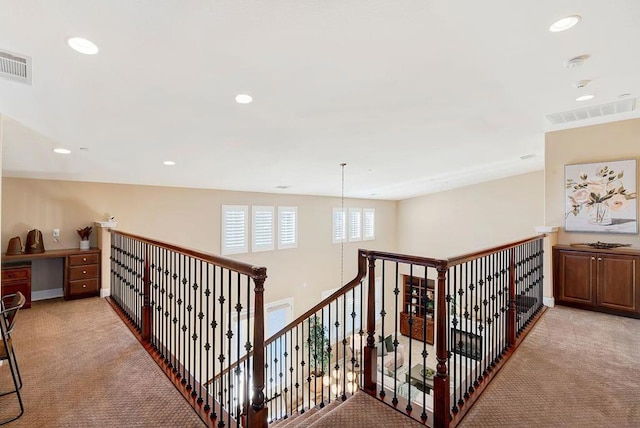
[234,229]
[263,236]
[355,224]
[369,224]
[339,225]
[287,227]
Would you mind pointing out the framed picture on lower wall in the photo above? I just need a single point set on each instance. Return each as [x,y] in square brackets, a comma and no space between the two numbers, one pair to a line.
[601,197]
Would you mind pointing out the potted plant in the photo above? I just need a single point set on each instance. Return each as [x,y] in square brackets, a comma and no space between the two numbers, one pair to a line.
[84,237]
[319,349]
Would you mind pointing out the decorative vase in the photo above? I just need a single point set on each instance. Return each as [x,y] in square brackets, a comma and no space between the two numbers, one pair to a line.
[84,244]
[600,214]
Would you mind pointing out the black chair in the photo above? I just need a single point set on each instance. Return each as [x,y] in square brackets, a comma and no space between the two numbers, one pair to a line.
[11,304]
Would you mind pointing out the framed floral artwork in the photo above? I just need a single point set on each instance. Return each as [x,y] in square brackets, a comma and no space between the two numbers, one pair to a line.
[601,197]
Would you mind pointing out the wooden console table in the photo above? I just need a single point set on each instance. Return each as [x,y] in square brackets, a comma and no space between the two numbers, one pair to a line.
[81,270]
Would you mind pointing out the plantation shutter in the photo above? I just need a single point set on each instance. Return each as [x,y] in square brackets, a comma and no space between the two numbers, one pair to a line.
[369,224]
[234,229]
[339,225]
[262,227]
[287,227]
[355,224]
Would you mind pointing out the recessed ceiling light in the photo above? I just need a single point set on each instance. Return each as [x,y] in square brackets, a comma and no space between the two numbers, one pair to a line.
[62,151]
[565,23]
[244,98]
[168,163]
[83,46]
[586,97]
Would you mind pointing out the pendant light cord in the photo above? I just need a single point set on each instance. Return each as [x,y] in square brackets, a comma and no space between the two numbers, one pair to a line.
[344,225]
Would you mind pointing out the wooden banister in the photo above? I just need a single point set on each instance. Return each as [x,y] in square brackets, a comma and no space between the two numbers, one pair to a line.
[453,261]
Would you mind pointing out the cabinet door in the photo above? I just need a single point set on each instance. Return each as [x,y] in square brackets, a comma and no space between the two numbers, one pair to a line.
[617,282]
[577,277]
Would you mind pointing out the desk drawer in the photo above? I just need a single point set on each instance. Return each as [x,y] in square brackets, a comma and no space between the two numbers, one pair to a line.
[83,272]
[83,287]
[20,273]
[83,259]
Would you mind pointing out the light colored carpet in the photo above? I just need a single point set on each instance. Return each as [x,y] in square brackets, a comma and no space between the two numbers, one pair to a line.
[575,369]
[82,367]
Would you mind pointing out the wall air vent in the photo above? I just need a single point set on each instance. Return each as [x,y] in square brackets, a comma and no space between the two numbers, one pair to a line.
[15,67]
[623,106]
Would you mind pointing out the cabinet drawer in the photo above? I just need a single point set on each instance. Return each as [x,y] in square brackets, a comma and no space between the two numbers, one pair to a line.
[14,287]
[83,272]
[16,274]
[83,259]
[83,287]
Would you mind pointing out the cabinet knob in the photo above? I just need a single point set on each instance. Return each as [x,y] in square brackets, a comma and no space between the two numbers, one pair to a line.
[593,258]
[84,285]
[84,271]
[599,258]
[84,259]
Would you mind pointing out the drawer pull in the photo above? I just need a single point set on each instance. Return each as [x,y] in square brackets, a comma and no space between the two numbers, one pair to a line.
[593,258]
[600,259]
[84,285]
[84,259]
[84,271]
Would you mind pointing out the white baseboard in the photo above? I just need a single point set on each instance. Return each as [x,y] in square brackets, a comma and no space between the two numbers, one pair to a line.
[52,293]
[549,301]
[105,292]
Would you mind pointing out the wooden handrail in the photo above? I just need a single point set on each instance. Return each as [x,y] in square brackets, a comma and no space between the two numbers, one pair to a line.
[453,261]
[362,265]
[235,265]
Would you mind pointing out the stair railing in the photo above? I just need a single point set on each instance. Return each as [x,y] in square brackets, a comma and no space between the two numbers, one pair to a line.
[195,312]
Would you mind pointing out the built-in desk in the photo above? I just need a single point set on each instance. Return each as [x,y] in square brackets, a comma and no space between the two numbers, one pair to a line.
[81,270]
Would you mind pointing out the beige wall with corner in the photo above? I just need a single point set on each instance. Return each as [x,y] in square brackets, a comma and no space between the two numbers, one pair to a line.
[191,218]
[598,143]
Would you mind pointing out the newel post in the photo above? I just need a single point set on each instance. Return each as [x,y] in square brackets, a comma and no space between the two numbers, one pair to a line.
[441,386]
[146,289]
[511,318]
[258,413]
[370,352]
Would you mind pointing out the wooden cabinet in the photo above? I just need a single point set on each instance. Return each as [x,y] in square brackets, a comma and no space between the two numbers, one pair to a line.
[82,274]
[17,277]
[418,301]
[602,280]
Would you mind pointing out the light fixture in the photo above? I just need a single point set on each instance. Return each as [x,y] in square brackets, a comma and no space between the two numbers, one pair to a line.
[82,45]
[62,151]
[168,163]
[244,98]
[576,61]
[585,97]
[565,23]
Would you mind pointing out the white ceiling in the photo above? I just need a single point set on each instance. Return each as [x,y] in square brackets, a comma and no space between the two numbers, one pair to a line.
[416,96]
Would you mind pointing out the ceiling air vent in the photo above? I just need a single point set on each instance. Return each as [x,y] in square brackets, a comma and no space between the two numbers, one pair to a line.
[15,67]
[594,111]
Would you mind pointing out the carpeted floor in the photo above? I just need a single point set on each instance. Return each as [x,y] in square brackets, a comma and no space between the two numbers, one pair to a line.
[575,369]
[82,367]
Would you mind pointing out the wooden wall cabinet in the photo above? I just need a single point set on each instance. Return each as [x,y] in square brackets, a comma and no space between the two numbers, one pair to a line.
[418,302]
[17,277]
[601,280]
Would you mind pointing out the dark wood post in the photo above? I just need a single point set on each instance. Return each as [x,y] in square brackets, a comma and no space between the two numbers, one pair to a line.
[146,289]
[442,397]
[370,352]
[258,413]
[511,318]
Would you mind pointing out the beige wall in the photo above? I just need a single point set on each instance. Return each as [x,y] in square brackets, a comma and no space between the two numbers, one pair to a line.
[471,218]
[191,217]
[610,141]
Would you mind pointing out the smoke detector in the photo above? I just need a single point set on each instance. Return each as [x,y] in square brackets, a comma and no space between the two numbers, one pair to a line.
[15,67]
[576,61]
